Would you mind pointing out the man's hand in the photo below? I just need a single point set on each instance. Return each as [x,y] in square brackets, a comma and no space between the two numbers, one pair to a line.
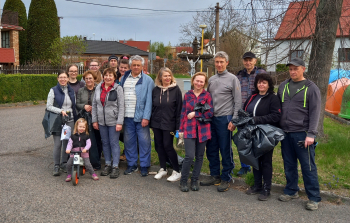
[191,115]
[309,141]
[95,125]
[118,128]
[88,108]
[144,122]
[231,127]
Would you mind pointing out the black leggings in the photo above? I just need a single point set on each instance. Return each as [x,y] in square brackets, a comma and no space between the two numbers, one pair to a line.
[264,172]
[163,142]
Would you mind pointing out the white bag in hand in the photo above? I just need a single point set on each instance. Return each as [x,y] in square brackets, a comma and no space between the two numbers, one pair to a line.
[66,132]
[181,139]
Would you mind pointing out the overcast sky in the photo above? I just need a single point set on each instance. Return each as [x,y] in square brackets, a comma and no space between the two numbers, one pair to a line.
[118,24]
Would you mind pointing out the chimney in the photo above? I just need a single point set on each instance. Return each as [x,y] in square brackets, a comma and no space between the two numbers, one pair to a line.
[84,38]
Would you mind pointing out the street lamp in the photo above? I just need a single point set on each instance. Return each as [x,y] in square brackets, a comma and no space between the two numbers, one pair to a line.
[202,27]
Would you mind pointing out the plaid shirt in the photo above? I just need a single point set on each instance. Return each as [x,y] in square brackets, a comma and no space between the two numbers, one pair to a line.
[104,92]
[247,82]
[189,127]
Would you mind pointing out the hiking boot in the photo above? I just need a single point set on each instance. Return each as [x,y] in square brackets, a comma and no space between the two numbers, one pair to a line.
[114,173]
[130,170]
[122,157]
[69,178]
[264,196]
[183,186]
[194,185]
[212,180]
[144,171]
[243,171]
[94,176]
[56,170]
[224,185]
[161,173]
[286,197]
[175,176]
[311,205]
[106,171]
[253,190]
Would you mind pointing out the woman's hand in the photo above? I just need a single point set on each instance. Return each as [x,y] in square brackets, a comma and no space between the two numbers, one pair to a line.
[191,115]
[64,113]
[88,108]
[84,150]
[118,128]
[67,151]
[95,125]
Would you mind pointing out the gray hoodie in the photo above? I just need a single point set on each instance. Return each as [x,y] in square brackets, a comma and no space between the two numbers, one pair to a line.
[113,112]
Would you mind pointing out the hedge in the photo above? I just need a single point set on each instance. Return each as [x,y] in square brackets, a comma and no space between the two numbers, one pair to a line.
[26,87]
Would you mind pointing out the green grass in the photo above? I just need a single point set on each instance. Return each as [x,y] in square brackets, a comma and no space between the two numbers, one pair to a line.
[332,160]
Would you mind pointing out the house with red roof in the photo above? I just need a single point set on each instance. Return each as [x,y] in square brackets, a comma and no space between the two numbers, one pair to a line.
[294,36]
[142,45]
[9,44]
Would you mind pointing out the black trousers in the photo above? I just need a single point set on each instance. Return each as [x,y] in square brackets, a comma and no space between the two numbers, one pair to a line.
[163,142]
[264,172]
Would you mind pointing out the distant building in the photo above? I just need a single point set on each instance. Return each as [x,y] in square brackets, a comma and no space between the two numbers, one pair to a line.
[142,45]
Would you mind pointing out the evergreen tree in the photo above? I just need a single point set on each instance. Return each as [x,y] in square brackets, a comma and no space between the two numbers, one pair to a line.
[18,6]
[43,29]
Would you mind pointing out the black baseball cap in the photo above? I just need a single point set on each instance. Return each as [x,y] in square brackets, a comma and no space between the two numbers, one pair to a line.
[248,55]
[296,62]
[112,57]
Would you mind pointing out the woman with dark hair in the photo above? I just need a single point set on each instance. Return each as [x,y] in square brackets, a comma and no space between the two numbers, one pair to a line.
[73,81]
[61,100]
[265,107]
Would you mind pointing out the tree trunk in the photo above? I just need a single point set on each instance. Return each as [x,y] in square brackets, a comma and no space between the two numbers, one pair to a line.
[327,19]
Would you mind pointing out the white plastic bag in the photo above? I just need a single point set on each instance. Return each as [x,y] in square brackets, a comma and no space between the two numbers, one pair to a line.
[66,132]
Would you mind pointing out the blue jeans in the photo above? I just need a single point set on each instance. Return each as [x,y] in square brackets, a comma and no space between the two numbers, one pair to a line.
[291,153]
[133,133]
[221,141]
[110,144]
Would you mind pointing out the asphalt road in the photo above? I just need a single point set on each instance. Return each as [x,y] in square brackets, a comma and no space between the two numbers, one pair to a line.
[29,193]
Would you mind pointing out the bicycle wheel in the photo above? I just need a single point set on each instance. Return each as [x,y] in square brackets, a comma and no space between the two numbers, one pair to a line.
[75,178]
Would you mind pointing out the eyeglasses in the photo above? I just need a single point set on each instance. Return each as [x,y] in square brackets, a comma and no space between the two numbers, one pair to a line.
[75,71]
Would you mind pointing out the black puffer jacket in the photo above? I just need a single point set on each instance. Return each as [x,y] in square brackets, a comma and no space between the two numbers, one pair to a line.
[267,110]
[166,108]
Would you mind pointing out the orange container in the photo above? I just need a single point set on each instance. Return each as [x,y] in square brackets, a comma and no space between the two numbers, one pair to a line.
[335,95]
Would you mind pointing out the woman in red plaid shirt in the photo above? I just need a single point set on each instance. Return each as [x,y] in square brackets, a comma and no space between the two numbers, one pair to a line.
[195,127]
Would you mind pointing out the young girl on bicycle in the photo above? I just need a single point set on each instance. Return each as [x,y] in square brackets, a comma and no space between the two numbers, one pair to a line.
[80,141]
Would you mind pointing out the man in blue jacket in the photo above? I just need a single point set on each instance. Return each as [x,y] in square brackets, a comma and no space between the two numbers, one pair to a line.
[301,106]
[138,107]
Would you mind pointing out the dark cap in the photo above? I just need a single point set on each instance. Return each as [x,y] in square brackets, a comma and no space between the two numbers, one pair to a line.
[248,55]
[112,57]
[296,62]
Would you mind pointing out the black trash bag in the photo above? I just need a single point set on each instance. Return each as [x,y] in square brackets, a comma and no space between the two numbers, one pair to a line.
[242,119]
[265,138]
[180,160]
[244,142]
[202,108]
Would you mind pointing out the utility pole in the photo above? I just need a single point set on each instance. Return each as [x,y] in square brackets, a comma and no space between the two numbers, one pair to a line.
[217,34]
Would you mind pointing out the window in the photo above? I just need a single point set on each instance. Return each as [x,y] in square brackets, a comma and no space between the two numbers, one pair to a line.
[296,54]
[5,39]
[344,54]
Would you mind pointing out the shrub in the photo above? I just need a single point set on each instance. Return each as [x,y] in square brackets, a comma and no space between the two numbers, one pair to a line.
[281,67]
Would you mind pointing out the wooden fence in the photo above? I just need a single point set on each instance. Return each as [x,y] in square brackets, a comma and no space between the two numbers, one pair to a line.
[37,69]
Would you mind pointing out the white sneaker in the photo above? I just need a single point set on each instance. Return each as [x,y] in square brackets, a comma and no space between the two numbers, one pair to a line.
[161,173]
[175,176]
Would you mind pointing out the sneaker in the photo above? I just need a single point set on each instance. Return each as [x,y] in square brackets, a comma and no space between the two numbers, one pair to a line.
[311,205]
[122,157]
[286,197]
[161,173]
[175,176]
[224,185]
[114,173]
[243,171]
[194,185]
[69,178]
[253,190]
[56,170]
[130,170]
[106,171]
[144,171]
[264,196]
[183,186]
[212,180]
[94,176]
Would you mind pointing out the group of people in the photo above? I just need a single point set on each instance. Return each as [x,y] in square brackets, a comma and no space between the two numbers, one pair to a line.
[128,101]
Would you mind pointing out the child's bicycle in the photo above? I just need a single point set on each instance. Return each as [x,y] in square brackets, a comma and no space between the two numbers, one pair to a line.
[78,167]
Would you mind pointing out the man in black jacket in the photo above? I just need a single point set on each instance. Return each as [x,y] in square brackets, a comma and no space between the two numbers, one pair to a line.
[301,104]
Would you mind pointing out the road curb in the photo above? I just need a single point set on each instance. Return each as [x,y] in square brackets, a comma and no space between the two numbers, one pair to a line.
[22,104]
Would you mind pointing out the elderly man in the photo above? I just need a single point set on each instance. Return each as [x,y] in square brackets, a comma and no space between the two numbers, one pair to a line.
[301,105]
[138,107]
[246,78]
[226,93]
